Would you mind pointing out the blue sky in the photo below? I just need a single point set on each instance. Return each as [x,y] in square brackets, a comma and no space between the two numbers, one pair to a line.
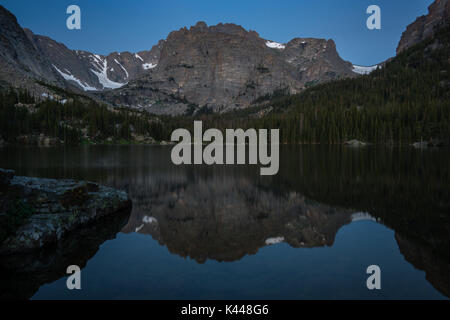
[132,25]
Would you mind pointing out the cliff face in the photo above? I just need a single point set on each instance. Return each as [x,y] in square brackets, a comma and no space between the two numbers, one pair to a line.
[424,27]
[226,67]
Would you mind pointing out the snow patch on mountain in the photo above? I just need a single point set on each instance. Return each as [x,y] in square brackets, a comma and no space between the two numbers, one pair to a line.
[148,219]
[70,77]
[275,45]
[275,240]
[97,61]
[125,70]
[97,58]
[138,57]
[103,77]
[147,66]
[363,69]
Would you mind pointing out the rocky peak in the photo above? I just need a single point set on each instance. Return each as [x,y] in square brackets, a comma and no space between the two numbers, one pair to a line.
[225,28]
[425,26]
[200,26]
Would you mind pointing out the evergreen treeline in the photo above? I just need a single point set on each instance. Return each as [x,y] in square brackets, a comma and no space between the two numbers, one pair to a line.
[405,101]
[73,120]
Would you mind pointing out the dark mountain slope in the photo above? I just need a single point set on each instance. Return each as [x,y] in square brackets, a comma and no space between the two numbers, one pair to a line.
[438,16]
[20,60]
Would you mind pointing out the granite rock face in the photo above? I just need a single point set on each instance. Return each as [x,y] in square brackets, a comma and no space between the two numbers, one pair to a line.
[36,212]
[226,67]
[425,26]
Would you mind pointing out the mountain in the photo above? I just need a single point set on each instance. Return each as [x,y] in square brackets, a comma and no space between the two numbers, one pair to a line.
[20,61]
[222,67]
[91,72]
[405,101]
[401,101]
[425,26]
[226,67]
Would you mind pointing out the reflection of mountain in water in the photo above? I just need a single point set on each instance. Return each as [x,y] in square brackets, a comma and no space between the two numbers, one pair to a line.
[408,190]
[226,217]
[422,257]
[22,275]
[226,213]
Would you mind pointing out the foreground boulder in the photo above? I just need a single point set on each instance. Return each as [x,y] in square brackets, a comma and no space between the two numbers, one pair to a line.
[35,212]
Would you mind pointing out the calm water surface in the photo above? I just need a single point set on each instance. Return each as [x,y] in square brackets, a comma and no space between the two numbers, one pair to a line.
[198,232]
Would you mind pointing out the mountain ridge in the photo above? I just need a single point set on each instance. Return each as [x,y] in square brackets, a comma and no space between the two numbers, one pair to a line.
[220,67]
[224,67]
[242,67]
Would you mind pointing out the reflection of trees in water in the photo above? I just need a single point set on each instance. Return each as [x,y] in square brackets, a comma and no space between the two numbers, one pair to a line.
[407,189]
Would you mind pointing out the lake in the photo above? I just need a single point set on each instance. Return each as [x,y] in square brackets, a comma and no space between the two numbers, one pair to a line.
[225,232]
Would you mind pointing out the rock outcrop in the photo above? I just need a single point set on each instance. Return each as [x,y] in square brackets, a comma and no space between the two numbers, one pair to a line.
[425,26]
[36,212]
